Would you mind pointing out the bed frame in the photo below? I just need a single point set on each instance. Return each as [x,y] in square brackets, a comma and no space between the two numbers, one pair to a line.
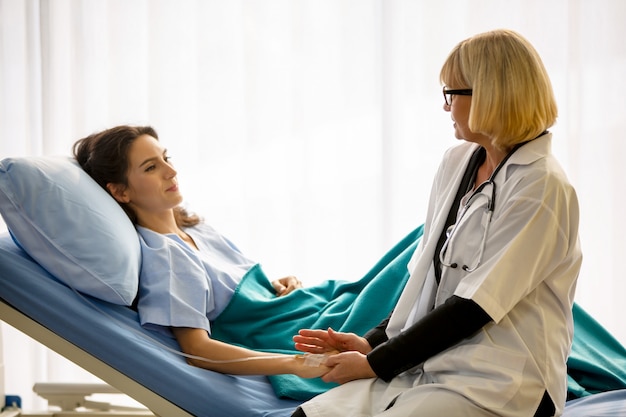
[70,397]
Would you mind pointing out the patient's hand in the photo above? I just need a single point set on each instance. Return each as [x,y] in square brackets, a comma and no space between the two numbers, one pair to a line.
[323,341]
[284,286]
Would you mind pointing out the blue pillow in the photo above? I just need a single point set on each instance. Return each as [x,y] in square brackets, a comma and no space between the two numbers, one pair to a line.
[67,223]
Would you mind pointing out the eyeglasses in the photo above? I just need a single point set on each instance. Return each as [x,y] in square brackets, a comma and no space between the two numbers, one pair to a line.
[447,94]
[491,201]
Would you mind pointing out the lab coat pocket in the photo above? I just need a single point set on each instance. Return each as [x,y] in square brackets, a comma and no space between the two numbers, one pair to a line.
[487,375]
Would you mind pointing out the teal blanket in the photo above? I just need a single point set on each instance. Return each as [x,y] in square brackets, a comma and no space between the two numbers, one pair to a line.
[597,362]
[257,319]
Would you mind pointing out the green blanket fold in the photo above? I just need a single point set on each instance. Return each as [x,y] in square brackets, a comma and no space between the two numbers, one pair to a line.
[257,319]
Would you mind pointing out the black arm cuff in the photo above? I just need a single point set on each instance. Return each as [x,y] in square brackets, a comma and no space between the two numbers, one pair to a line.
[377,335]
[442,328]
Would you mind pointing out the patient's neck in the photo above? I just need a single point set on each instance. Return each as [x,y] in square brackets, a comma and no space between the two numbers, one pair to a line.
[166,224]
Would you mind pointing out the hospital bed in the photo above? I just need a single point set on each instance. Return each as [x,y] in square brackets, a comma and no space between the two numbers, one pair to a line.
[106,339]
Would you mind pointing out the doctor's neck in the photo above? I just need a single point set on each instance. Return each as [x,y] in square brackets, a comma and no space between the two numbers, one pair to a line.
[494,156]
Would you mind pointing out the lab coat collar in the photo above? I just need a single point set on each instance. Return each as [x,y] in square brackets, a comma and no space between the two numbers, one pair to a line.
[532,151]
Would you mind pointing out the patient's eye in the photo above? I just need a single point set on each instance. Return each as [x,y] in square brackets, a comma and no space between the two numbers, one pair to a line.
[154,163]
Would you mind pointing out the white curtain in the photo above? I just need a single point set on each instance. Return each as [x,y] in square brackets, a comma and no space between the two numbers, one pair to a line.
[308,131]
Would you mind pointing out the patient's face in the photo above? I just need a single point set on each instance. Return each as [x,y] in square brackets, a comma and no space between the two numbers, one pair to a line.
[152,184]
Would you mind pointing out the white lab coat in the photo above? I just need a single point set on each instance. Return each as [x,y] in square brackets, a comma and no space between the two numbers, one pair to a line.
[525,282]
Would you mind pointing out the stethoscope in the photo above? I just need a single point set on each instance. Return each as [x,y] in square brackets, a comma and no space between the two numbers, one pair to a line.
[490,208]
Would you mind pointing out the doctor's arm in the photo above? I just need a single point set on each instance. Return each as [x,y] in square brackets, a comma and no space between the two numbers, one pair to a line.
[445,326]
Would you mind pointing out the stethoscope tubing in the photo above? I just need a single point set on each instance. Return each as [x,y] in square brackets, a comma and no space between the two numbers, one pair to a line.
[490,209]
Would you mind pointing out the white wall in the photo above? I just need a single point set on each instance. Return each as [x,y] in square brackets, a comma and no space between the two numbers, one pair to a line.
[309,131]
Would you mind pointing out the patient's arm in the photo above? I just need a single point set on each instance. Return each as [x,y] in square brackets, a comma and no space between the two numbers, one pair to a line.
[196,342]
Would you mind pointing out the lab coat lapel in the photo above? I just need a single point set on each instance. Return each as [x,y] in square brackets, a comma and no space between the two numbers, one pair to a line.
[421,264]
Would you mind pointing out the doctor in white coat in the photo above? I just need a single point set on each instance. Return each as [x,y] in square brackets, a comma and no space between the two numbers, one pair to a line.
[484,326]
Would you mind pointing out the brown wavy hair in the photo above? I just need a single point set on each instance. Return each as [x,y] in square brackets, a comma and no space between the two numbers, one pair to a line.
[104,156]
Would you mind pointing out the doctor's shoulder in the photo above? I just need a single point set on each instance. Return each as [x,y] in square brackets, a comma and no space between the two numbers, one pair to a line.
[456,158]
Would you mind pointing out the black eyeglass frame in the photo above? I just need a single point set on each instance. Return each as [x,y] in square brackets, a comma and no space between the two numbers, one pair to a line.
[450,93]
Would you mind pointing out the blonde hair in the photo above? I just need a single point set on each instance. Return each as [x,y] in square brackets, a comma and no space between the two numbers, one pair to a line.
[512,97]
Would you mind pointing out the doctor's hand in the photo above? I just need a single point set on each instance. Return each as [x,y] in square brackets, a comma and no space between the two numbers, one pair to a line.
[346,367]
[323,341]
[286,285]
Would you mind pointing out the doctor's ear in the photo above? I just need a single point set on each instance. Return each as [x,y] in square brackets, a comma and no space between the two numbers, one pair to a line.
[118,191]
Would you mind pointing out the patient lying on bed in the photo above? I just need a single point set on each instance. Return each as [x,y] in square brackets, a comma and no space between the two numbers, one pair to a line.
[189,271]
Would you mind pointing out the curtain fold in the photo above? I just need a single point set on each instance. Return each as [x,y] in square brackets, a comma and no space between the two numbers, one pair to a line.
[307,131]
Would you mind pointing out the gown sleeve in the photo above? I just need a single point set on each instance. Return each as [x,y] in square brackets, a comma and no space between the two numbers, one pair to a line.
[173,287]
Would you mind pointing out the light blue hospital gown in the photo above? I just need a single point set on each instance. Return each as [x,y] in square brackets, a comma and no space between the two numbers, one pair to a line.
[182,287]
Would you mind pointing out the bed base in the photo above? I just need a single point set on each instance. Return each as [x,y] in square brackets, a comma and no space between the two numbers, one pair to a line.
[157,406]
